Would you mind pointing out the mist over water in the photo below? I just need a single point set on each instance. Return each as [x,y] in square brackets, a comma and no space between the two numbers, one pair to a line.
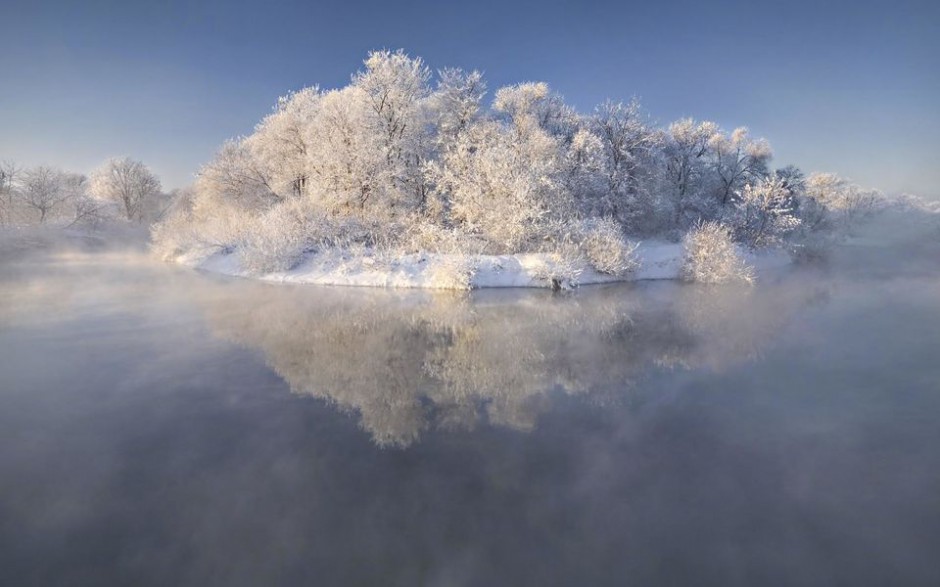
[160,426]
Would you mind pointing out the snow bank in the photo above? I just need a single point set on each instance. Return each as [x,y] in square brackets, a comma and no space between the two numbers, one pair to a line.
[658,260]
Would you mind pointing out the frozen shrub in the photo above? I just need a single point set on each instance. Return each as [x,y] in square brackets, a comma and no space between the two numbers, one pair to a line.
[424,236]
[607,250]
[224,230]
[90,212]
[387,235]
[278,238]
[176,233]
[172,237]
[711,257]
[561,268]
[452,272]
[184,231]
[432,238]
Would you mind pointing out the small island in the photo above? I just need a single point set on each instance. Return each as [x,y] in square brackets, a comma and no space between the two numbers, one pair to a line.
[408,179]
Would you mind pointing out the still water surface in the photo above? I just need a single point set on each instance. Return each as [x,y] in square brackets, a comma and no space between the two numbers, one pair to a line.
[163,427]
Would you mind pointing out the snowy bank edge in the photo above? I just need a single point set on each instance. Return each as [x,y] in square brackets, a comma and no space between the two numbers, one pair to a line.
[657,261]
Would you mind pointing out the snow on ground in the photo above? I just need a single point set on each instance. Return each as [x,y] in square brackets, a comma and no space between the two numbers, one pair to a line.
[658,260]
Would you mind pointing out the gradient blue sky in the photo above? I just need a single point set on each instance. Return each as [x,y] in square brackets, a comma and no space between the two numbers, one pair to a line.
[850,87]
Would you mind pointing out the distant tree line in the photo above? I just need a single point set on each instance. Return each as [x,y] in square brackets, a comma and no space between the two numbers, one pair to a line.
[121,188]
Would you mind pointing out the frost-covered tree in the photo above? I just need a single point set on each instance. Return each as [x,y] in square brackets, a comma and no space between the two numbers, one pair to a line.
[685,168]
[630,146]
[9,176]
[395,88]
[847,202]
[86,210]
[47,194]
[765,212]
[794,180]
[235,179]
[586,163]
[738,160]
[508,179]
[815,217]
[345,160]
[127,182]
[604,245]
[43,191]
[454,107]
[280,144]
[367,144]
[533,106]
[456,103]
[504,184]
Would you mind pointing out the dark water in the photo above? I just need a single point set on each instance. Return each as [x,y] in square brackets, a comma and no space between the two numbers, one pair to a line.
[161,427]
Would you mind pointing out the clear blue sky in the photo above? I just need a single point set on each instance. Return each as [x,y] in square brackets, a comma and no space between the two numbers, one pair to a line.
[851,87]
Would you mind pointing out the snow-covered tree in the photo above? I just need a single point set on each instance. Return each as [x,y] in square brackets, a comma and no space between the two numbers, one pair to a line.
[738,160]
[630,146]
[235,178]
[9,176]
[605,247]
[586,163]
[454,107]
[127,182]
[533,106]
[765,212]
[794,180]
[395,87]
[43,191]
[280,144]
[346,159]
[847,202]
[456,103]
[504,185]
[685,168]
[85,209]
[815,217]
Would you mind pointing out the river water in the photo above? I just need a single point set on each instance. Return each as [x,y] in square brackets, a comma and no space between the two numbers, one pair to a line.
[164,427]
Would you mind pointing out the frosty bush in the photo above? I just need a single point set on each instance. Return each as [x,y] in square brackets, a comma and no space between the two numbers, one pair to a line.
[277,239]
[185,231]
[605,247]
[172,236]
[561,268]
[710,256]
[90,212]
[452,272]
[424,236]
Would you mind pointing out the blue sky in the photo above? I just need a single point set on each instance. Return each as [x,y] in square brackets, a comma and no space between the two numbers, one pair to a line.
[849,87]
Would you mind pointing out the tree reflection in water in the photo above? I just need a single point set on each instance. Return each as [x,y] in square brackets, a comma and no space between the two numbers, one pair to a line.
[408,361]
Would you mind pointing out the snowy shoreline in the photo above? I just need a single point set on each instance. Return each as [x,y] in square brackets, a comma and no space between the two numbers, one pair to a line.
[658,261]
